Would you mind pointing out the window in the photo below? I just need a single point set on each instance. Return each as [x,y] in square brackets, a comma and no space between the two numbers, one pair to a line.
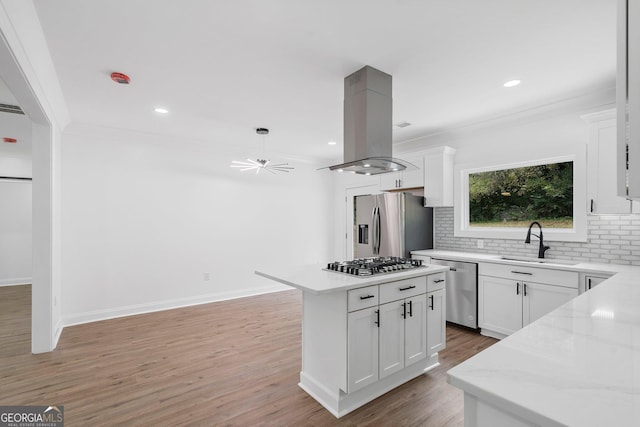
[514,197]
[500,201]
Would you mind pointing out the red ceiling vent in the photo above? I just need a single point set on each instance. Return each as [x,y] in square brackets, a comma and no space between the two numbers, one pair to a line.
[10,140]
[120,78]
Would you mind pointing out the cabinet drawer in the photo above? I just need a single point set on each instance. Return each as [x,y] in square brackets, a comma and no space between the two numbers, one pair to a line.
[532,274]
[362,298]
[406,288]
[436,281]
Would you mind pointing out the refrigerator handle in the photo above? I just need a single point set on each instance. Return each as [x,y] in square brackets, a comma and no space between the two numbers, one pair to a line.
[376,230]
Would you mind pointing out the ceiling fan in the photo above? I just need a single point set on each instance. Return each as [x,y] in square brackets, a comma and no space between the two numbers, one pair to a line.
[261,164]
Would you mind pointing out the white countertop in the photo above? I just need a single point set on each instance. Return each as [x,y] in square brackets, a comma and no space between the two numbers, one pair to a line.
[312,278]
[557,264]
[579,365]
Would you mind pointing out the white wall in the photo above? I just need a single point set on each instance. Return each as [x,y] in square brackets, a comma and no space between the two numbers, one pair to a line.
[145,217]
[15,232]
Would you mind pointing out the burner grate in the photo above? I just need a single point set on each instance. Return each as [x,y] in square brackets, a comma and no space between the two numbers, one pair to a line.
[374,266]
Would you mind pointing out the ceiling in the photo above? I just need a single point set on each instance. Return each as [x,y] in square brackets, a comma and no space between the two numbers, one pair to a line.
[223,68]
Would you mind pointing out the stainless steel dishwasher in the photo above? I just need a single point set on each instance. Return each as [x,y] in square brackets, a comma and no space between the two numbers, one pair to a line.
[462,292]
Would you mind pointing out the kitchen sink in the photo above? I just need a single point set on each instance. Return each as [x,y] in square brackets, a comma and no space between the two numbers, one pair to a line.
[539,260]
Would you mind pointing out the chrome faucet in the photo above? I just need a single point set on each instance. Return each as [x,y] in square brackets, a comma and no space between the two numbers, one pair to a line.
[542,249]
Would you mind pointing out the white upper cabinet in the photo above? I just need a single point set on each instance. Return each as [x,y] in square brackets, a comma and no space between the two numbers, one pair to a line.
[410,178]
[438,176]
[628,99]
[602,160]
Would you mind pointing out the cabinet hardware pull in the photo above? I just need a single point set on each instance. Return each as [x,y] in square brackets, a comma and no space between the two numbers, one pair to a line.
[431,306]
[521,272]
[407,288]
[438,281]
[404,310]
[367,296]
[377,322]
[591,206]
[589,282]
[453,269]
[410,308]
[524,287]
[517,288]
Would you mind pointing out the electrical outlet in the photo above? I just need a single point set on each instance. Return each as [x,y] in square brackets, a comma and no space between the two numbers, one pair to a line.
[480,243]
[207,276]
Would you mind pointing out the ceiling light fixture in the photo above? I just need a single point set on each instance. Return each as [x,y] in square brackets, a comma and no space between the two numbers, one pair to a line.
[512,83]
[331,143]
[161,110]
[261,164]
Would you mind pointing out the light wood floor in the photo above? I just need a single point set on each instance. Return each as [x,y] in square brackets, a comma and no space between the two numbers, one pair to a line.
[232,363]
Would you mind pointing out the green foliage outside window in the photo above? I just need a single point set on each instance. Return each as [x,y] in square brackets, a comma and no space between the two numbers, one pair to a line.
[515,197]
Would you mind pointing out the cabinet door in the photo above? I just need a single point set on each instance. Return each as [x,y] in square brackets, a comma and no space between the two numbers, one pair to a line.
[602,158]
[591,281]
[413,178]
[438,176]
[415,330]
[436,322]
[362,343]
[391,337]
[499,304]
[539,299]
[390,181]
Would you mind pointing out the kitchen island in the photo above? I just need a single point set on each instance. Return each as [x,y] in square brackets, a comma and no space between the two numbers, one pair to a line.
[364,336]
[576,366]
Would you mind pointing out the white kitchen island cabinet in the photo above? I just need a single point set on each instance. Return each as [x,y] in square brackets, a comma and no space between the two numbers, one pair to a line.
[362,336]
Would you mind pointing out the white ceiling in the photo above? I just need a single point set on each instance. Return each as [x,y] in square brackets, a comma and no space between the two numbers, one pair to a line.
[223,68]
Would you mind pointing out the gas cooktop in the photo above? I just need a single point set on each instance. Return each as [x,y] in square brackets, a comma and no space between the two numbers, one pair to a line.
[374,266]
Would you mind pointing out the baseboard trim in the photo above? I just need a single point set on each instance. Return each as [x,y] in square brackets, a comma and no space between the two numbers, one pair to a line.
[15,281]
[132,310]
[56,334]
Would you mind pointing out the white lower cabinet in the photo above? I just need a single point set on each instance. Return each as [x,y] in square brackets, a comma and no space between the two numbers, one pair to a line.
[499,305]
[436,322]
[506,304]
[362,348]
[403,334]
[590,280]
[539,299]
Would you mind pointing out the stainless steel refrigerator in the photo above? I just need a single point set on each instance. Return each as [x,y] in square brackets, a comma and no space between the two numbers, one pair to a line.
[391,224]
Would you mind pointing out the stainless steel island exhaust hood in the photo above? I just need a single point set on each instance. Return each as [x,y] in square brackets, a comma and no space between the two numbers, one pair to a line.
[368,114]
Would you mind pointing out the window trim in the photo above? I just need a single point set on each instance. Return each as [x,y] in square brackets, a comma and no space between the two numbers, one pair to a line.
[576,234]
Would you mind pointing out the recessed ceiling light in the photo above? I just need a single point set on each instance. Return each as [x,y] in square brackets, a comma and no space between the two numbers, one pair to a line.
[367,165]
[161,110]
[331,143]
[512,83]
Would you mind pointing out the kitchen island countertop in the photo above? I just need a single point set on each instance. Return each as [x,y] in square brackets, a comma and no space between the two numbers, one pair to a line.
[315,279]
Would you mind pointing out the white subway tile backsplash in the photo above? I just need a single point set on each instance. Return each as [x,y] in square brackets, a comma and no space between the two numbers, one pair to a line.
[611,239]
